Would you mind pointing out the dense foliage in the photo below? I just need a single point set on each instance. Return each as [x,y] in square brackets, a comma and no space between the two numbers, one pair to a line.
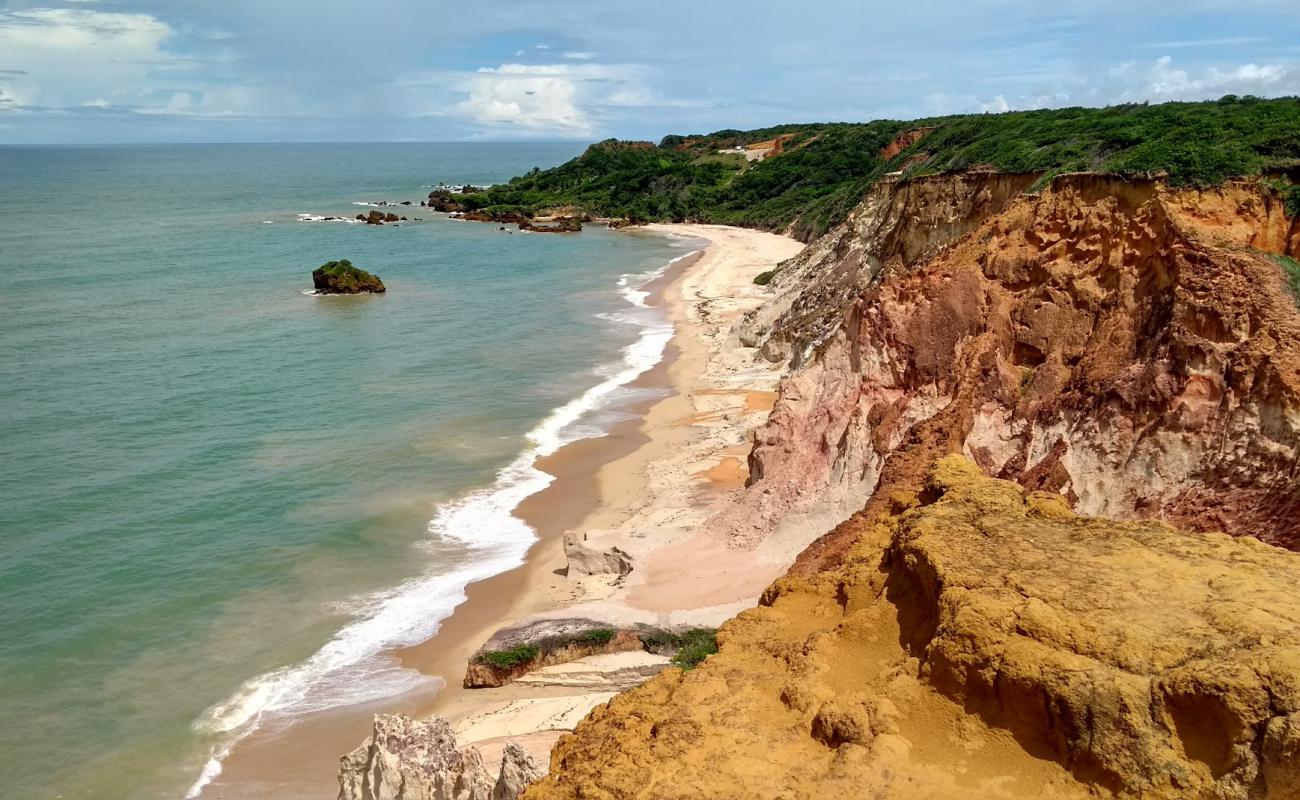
[694,646]
[514,656]
[823,170]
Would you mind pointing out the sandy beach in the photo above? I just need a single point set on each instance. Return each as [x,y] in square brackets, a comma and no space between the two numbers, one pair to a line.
[646,487]
[649,502]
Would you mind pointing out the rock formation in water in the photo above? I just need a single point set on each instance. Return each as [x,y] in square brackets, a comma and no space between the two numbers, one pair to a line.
[979,641]
[406,760]
[340,277]
[556,225]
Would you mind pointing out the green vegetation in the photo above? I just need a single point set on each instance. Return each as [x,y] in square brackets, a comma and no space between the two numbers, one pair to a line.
[687,648]
[694,646]
[826,168]
[513,657]
[340,277]
[764,278]
[1291,268]
[595,636]
[526,653]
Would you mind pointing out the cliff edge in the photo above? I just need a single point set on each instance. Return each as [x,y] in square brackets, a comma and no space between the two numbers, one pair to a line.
[1127,344]
[979,640]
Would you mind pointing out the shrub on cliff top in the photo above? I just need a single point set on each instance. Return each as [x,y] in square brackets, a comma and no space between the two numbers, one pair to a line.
[513,657]
[595,636]
[695,645]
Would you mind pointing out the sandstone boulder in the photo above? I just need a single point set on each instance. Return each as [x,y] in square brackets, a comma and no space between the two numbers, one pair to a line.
[587,560]
[408,760]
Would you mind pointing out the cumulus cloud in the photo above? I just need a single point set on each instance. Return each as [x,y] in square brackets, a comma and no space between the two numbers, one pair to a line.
[64,57]
[540,98]
[1162,80]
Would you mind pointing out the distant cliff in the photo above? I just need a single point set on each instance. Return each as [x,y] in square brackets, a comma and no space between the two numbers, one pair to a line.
[805,179]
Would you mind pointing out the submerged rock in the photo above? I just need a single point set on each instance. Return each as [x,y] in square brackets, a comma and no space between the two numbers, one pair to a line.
[556,225]
[408,760]
[340,277]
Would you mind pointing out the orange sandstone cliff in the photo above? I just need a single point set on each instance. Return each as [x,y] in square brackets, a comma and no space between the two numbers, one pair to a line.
[986,644]
[1031,408]
[1128,345]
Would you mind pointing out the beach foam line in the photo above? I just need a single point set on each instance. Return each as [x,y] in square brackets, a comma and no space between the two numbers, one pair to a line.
[348,670]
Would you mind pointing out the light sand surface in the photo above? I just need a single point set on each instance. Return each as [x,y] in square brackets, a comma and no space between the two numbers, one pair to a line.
[645,487]
[650,503]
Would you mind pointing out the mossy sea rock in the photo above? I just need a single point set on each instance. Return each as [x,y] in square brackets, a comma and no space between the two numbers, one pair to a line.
[340,277]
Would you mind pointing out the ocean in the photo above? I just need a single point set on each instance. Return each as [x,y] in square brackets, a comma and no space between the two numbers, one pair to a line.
[223,497]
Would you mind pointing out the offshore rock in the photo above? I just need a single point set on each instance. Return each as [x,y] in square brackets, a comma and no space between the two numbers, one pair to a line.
[979,640]
[408,760]
[557,225]
[340,277]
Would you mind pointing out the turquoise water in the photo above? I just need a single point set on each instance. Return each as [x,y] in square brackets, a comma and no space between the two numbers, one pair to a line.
[222,496]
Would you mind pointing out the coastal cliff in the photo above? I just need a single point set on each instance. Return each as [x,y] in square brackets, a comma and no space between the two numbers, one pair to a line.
[1048,401]
[982,641]
[1129,345]
[1026,487]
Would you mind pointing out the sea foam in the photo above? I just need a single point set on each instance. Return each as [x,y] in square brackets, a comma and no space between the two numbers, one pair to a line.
[350,668]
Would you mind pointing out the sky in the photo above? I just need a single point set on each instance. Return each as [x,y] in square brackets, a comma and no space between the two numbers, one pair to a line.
[107,71]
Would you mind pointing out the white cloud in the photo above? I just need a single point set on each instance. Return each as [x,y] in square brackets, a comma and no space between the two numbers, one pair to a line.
[1161,80]
[997,105]
[579,55]
[542,97]
[69,57]
[534,97]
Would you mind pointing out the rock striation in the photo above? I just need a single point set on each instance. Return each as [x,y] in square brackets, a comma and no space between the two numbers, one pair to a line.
[1129,345]
[979,640]
[407,760]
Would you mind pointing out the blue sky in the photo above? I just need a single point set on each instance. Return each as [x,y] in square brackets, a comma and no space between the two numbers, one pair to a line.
[393,70]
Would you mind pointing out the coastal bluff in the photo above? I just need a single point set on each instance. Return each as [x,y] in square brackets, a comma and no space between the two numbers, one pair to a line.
[980,641]
[340,277]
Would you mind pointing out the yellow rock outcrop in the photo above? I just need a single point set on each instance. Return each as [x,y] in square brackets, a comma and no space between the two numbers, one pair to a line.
[979,641]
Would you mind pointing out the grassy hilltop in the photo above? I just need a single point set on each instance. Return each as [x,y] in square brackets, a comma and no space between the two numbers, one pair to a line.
[818,172]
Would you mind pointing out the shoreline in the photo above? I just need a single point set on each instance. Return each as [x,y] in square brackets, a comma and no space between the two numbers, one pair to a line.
[598,482]
[650,501]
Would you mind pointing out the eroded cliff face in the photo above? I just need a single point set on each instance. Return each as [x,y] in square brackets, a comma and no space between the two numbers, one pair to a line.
[979,640]
[1125,344]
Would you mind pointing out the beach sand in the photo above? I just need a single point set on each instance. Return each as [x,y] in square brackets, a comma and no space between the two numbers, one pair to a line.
[645,487]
